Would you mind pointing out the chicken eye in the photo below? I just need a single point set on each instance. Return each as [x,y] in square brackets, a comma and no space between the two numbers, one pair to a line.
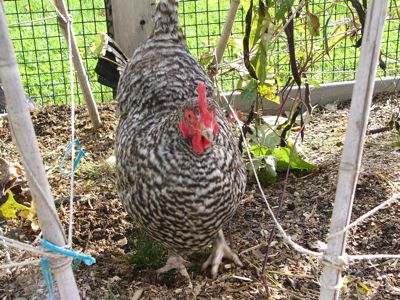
[189,115]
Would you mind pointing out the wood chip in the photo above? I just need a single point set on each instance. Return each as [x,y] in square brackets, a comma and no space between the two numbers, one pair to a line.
[138,293]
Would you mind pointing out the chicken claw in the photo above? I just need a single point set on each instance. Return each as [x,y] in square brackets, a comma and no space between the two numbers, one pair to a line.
[176,262]
[220,250]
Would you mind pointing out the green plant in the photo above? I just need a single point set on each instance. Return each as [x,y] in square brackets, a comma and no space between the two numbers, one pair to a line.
[147,253]
[284,42]
[270,157]
[94,170]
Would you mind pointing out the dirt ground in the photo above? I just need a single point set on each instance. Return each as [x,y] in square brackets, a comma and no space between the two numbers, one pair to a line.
[103,229]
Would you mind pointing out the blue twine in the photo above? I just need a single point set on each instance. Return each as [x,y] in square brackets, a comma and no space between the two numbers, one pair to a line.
[48,278]
[87,259]
[80,154]
[79,257]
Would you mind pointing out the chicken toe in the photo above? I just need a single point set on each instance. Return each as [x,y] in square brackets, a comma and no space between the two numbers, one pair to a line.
[176,262]
[220,250]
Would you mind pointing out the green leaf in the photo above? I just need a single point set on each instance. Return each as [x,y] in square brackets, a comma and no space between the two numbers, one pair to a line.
[249,93]
[9,208]
[235,43]
[260,63]
[257,162]
[258,150]
[283,8]
[259,25]
[206,58]
[325,33]
[239,84]
[313,24]
[269,175]
[347,281]
[97,46]
[265,167]
[314,83]
[338,34]
[269,92]
[297,163]
[30,215]
[365,287]
[268,138]
[267,36]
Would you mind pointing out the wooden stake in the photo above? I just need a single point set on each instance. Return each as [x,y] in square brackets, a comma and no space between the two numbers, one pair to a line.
[25,140]
[132,23]
[78,65]
[354,143]
[227,30]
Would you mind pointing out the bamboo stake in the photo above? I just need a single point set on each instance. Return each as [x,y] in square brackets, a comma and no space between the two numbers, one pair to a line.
[227,30]
[78,65]
[25,140]
[354,144]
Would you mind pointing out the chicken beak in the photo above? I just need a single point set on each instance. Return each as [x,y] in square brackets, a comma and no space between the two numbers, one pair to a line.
[208,134]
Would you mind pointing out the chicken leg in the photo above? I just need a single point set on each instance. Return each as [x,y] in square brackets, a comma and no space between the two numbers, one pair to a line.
[176,262]
[220,250]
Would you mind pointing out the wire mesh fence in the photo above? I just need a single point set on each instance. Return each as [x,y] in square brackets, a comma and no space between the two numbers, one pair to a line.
[202,23]
[341,62]
[42,52]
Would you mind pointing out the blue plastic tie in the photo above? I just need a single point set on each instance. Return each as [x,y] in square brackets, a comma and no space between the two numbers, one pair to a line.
[48,278]
[79,155]
[87,259]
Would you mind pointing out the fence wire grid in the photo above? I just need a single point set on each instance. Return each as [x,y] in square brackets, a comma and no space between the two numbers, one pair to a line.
[41,49]
[43,55]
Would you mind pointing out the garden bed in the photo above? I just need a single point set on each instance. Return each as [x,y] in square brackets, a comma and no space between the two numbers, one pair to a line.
[104,230]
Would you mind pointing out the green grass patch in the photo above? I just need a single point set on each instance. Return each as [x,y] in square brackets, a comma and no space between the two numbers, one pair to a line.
[42,52]
[147,253]
[92,171]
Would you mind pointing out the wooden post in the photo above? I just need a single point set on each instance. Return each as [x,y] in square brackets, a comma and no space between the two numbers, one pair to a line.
[354,143]
[25,140]
[227,30]
[132,23]
[78,65]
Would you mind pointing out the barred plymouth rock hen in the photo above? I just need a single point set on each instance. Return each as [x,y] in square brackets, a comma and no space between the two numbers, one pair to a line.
[180,174]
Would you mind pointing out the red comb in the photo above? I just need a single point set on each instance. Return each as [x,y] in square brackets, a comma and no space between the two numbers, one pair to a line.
[201,90]
[203,105]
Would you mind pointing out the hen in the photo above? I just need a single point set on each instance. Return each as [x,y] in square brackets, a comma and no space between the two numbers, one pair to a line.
[180,175]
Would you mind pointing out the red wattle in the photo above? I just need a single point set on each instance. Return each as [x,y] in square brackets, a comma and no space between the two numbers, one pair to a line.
[197,143]
[206,143]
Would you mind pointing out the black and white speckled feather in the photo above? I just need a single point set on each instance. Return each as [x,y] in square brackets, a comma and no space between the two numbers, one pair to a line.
[179,197]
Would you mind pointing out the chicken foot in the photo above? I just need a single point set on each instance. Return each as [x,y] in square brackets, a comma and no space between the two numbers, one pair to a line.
[176,262]
[220,250]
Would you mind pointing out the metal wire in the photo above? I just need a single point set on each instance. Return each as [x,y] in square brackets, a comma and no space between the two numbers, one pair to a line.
[42,52]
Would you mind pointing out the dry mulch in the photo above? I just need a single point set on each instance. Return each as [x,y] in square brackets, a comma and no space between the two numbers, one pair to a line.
[103,229]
